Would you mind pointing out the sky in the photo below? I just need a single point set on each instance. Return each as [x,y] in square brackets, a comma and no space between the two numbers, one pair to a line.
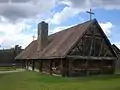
[19,18]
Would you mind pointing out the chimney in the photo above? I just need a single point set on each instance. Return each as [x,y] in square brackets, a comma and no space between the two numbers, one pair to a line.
[42,35]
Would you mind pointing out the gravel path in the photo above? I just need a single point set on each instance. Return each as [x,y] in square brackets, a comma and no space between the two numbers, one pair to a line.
[17,70]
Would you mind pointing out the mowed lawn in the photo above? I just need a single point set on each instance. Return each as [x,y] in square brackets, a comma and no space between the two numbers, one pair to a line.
[29,80]
[7,68]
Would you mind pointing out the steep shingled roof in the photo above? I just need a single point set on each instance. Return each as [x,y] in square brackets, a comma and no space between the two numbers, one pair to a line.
[59,43]
[116,50]
[28,51]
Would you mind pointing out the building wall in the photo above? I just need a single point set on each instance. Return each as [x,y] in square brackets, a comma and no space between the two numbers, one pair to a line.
[117,63]
[80,67]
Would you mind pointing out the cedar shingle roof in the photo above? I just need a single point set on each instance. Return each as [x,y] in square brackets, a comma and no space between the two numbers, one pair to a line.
[59,43]
[28,51]
[116,50]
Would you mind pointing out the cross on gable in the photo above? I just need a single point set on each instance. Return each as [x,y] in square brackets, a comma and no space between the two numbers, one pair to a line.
[91,13]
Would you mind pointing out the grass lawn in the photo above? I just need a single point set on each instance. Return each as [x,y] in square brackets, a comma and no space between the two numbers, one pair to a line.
[6,68]
[37,81]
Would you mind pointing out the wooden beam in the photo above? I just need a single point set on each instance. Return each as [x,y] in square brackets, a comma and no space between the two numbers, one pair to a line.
[101,67]
[113,66]
[94,46]
[62,68]
[87,67]
[26,64]
[33,65]
[101,46]
[81,46]
[106,53]
[95,36]
[87,36]
[70,67]
[91,57]
[98,37]
[78,48]
[91,46]
[40,65]
[50,67]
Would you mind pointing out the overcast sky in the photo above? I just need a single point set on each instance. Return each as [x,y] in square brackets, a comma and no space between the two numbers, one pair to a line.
[19,18]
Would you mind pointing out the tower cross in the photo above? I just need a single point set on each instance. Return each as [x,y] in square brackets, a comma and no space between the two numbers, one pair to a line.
[91,13]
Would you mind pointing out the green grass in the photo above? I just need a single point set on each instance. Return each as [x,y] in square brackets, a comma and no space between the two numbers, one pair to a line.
[7,68]
[37,81]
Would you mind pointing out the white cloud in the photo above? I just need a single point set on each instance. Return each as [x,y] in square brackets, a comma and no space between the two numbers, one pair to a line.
[15,10]
[107,26]
[66,13]
[74,7]
[107,4]
[20,39]
[14,33]
[18,15]
[17,18]
[59,28]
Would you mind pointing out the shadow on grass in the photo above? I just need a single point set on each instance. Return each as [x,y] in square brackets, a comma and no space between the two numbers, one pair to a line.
[99,77]
[44,78]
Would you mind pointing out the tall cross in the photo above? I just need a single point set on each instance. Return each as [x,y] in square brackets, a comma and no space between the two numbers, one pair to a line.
[91,13]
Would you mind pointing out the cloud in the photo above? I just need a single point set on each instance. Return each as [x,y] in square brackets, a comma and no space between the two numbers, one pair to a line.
[14,10]
[107,26]
[59,28]
[20,39]
[62,16]
[18,19]
[12,34]
[74,7]
[107,4]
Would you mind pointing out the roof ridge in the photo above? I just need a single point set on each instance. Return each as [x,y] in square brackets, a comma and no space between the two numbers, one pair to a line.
[67,37]
[93,20]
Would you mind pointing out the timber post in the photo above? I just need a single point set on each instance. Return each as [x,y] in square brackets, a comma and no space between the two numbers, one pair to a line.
[40,66]
[101,67]
[87,67]
[50,67]
[113,66]
[26,64]
[70,67]
[62,68]
[33,65]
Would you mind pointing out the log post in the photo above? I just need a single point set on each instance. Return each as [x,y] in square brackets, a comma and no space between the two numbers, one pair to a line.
[101,67]
[33,65]
[87,67]
[27,64]
[91,46]
[62,68]
[70,67]
[101,46]
[40,66]
[113,66]
[50,67]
